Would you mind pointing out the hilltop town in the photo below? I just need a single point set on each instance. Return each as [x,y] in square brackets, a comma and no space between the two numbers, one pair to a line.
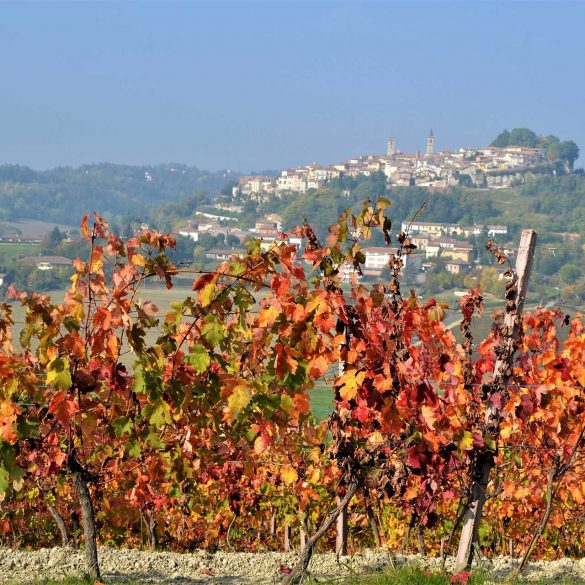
[490,167]
[531,177]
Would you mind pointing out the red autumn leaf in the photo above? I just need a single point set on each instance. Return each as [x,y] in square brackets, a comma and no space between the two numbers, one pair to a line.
[462,577]
[63,408]
[203,281]
[413,458]
[496,400]
[284,570]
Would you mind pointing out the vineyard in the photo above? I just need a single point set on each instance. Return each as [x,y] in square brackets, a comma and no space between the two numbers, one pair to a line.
[438,443]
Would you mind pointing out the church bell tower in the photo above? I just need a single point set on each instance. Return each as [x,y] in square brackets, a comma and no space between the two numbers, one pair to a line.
[430,144]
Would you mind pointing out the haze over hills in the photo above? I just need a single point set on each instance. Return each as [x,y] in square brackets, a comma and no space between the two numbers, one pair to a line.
[65,194]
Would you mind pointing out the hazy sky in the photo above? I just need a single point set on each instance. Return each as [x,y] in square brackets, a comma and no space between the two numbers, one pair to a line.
[258,85]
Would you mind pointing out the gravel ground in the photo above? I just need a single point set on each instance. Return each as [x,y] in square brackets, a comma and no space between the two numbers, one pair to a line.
[201,567]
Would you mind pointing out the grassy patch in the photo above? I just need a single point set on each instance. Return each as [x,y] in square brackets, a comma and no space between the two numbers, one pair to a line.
[10,251]
[417,576]
[66,581]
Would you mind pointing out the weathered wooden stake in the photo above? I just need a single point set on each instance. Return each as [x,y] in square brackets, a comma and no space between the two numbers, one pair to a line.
[303,532]
[485,462]
[273,524]
[287,538]
[511,550]
[342,532]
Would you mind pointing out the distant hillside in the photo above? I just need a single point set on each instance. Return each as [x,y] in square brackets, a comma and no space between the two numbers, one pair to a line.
[64,194]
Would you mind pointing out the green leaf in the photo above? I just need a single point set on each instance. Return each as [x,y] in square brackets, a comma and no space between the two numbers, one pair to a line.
[198,358]
[27,429]
[132,448]
[122,425]
[213,332]
[161,414]
[58,374]
[71,323]
[4,480]
[287,404]
[237,268]
[153,440]
[17,474]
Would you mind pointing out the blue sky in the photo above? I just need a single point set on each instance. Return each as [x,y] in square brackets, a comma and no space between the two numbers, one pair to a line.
[259,85]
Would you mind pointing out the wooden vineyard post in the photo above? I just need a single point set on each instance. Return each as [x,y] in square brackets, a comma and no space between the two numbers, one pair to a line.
[287,537]
[342,532]
[511,547]
[303,534]
[273,524]
[341,524]
[484,463]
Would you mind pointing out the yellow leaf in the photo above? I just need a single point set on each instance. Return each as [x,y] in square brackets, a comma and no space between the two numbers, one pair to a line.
[239,399]
[376,439]
[505,431]
[428,414]
[138,260]
[206,294]
[465,443]
[289,475]
[350,382]
[315,476]
[268,316]
[437,313]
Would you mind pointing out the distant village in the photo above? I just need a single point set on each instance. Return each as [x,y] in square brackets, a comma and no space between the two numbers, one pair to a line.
[485,167]
[433,241]
[490,167]
[446,245]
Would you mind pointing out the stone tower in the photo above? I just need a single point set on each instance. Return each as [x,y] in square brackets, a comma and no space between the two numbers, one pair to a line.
[430,143]
[391,151]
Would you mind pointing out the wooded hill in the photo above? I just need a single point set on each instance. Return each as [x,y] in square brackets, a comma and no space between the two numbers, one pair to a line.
[65,194]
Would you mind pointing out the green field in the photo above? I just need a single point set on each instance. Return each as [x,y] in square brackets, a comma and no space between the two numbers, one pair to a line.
[9,251]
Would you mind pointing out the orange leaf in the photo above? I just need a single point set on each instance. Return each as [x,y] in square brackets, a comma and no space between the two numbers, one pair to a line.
[268,316]
[289,474]
[8,412]
[318,366]
[84,227]
[63,408]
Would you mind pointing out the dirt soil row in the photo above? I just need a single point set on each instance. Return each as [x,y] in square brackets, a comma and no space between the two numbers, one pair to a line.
[224,568]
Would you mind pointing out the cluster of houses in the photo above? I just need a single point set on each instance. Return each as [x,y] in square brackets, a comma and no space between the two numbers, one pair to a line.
[269,228]
[486,167]
[436,240]
[433,241]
